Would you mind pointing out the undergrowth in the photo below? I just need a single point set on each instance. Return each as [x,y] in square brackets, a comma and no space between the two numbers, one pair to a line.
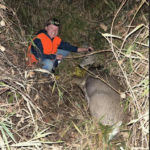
[118,31]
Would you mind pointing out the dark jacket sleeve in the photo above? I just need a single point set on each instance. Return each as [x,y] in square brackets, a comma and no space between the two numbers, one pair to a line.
[37,50]
[66,46]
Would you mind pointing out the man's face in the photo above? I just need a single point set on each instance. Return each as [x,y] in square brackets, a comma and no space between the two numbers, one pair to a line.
[52,30]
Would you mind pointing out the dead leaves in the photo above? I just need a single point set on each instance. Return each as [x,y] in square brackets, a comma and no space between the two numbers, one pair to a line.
[103,26]
[2,23]
[2,7]
[2,48]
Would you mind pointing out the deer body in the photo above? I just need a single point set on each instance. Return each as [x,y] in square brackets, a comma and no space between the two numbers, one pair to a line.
[104,102]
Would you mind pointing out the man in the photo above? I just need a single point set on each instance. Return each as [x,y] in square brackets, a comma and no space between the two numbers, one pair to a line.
[47,49]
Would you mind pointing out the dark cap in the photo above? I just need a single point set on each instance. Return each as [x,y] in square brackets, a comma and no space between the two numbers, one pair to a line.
[53,21]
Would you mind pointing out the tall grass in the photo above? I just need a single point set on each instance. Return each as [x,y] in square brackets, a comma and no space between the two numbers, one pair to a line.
[120,29]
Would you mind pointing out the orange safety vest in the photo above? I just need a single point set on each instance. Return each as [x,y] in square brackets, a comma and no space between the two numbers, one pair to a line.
[49,47]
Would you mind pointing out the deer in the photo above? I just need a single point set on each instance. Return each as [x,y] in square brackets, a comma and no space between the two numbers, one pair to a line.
[102,93]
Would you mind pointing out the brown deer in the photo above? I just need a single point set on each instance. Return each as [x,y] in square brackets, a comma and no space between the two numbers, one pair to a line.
[103,97]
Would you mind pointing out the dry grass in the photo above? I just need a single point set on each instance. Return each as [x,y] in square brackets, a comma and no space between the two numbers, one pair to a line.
[132,59]
[32,118]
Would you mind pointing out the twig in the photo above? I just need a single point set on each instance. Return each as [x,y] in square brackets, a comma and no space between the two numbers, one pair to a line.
[92,53]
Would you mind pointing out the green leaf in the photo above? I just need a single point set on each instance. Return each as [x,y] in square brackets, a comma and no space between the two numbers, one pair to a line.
[134,30]
[5,138]
[110,35]
[5,127]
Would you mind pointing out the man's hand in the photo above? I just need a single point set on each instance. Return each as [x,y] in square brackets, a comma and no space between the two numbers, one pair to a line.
[90,49]
[59,57]
[85,49]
